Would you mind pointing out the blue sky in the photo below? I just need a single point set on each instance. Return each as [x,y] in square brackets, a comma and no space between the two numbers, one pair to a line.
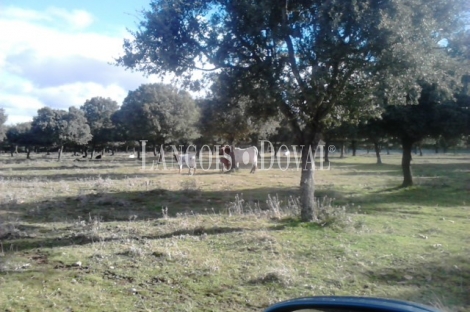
[56,53]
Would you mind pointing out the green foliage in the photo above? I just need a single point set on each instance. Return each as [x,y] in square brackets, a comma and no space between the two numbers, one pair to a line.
[59,127]
[231,116]
[20,134]
[435,114]
[98,112]
[157,113]
[373,130]
[302,57]
[282,132]
[303,54]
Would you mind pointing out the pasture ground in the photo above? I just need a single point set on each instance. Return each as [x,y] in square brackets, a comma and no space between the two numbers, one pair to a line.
[108,236]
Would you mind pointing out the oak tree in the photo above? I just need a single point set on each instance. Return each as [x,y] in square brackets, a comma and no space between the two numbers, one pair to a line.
[157,113]
[295,55]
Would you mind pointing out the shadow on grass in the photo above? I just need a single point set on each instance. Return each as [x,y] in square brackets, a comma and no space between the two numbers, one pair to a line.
[297,223]
[390,189]
[431,167]
[141,205]
[76,176]
[11,245]
[439,196]
[450,276]
[72,166]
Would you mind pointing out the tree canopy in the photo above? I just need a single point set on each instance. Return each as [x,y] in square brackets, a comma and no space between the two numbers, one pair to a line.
[55,127]
[158,113]
[21,134]
[226,115]
[301,56]
[98,112]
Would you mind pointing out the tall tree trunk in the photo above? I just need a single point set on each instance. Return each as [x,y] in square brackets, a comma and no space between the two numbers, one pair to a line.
[61,149]
[342,150]
[406,162]
[13,150]
[377,153]
[354,147]
[161,153]
[232,156]
[307,183]
[327,151]
[28,152]
[139,151]
[420,150]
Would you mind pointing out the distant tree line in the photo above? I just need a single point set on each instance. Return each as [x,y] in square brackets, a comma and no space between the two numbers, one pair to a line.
[163,115]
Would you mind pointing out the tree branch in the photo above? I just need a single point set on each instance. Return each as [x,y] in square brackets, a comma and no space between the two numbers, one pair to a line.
[291,52]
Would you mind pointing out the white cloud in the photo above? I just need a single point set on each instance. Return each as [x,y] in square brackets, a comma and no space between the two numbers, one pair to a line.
[49,42]
[43,63]
[22,106]
[75,94]
[76,19]
[19,108]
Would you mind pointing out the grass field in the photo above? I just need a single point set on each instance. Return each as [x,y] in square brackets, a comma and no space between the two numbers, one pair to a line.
[105,235]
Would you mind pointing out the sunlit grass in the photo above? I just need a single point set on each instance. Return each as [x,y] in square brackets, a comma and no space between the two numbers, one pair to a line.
[96,235]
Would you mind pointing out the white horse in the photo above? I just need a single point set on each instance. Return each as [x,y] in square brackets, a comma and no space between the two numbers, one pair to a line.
[189,160]
[245,155]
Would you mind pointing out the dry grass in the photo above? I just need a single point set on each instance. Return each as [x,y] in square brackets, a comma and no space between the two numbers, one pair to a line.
[109,236]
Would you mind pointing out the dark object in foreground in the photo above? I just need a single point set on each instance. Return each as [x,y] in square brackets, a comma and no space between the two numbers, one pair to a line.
[348,304]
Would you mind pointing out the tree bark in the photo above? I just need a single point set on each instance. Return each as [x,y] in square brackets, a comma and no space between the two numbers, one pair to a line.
[14,150]
[377,153]
[61,149]
[307,184]
[354,147]
[28,152]
[406,162]
[327,151]
[342,150]
[232,155]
